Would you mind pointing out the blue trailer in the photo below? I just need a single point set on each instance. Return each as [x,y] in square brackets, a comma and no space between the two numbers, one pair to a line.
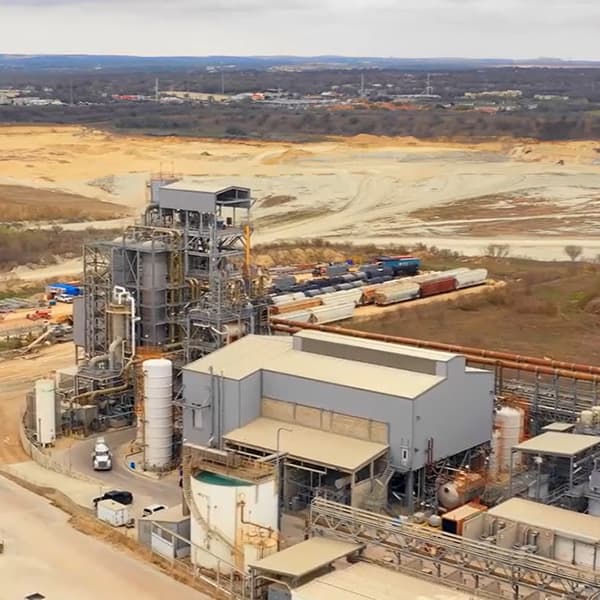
[63,288]
[401,265]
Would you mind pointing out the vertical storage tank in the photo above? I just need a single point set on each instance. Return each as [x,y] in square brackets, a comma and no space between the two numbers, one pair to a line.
[158,412]
[509,421]
[45,411]
[235,521]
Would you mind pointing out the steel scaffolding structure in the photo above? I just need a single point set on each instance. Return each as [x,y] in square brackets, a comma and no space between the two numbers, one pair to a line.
[476,567]
[185,268]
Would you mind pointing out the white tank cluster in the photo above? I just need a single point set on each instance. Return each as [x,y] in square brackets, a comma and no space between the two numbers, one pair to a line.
[158,413]
[237,521]
[45,411]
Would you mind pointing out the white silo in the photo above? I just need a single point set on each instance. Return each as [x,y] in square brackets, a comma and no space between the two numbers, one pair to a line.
[235,521]
[509,421]
[45,411]
[158,412]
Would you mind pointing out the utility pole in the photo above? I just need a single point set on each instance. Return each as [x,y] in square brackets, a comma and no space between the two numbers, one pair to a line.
[362,84]
[71,92]
[156,96]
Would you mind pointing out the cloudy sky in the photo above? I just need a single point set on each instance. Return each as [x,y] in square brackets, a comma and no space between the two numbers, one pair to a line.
[401,28]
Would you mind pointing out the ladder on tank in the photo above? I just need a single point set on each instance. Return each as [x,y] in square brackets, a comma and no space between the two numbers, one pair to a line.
[197,515]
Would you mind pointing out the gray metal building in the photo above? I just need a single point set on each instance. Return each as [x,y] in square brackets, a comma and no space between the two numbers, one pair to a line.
[416,407]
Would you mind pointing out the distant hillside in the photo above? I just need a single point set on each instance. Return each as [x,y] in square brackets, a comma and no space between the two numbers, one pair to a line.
[84,62]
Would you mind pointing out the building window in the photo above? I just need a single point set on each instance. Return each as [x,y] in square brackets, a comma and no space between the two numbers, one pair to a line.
[197,419]
[404,454]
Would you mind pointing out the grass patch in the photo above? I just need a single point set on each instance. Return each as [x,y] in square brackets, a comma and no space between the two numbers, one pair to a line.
[45,246]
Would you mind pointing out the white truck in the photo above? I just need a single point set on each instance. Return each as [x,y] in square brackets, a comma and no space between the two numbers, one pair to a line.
[101,456]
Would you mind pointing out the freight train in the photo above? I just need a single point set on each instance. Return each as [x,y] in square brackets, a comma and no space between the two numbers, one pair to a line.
[309,306]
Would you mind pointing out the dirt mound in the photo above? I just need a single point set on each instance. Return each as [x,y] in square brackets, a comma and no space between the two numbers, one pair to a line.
[287,156]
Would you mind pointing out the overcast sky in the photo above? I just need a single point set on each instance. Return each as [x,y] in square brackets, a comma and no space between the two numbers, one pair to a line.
[400,28]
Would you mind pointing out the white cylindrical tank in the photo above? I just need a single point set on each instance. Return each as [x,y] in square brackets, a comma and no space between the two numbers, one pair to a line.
[587,418]
[493,466]
[158,412]
[509,421]
[235,521]
[45,411]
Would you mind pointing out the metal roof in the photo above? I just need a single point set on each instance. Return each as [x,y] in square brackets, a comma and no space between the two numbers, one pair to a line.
[276,354]
[558,444]
[208,186]
[170,515]
[564,522]
[363,581]
[399,349]
[307,444]
[242,358]
[559,426]
[305,557]
[349,373]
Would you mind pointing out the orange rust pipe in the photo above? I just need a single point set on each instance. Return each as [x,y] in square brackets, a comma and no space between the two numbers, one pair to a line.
[482,357]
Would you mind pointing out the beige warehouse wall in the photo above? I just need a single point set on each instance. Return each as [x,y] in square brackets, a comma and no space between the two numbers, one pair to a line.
[326,420]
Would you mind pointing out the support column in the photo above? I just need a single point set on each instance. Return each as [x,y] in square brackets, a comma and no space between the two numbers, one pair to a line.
[408,491]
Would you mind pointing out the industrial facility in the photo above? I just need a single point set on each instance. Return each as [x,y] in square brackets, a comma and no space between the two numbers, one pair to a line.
[375,411]
[402,457]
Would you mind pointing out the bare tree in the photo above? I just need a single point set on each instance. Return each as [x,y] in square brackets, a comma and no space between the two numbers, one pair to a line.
[573,252]
[497,250]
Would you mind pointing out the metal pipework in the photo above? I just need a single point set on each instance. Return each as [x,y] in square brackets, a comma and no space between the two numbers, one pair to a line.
[480,356]
[480,352]
[121,295]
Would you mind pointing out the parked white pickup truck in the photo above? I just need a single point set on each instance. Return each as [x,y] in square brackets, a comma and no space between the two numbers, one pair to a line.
[101,456]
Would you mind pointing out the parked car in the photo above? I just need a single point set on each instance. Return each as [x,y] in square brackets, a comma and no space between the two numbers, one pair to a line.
[120,496]
[66,298]
[152,509]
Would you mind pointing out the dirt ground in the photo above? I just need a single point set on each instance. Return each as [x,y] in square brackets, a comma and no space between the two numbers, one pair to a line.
[16,377]
[363,189]
[28,204]
[19,317]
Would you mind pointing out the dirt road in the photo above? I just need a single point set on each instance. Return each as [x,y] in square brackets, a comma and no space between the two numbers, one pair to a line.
[17,377]
[363,189]
[45,555]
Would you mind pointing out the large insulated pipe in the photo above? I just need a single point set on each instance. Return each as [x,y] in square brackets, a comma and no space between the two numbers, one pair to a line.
[532,360]
[586,375]
[115,353]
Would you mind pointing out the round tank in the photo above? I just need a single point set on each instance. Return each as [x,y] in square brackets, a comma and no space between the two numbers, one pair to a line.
[234,520]
[461,490]
[158,412]
[493,465]
[587,418]
[435,521]
[45,411]
[509,421]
